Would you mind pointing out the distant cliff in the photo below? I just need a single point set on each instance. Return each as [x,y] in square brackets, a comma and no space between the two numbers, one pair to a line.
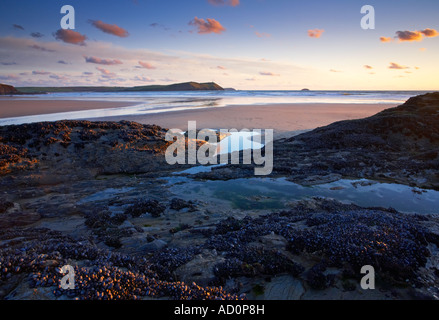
[186,86]
[6,90]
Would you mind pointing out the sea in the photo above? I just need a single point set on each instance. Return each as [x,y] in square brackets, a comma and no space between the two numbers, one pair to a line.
[157,102]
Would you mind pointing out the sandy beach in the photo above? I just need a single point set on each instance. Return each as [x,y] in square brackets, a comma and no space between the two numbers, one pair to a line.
[283,118]
[17,108]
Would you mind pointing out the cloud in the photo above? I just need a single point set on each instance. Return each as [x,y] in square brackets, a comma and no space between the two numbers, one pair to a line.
[262,35]
[221,68]
[430,33]
[8,63]
[86,73]
[409,35]
[113,29]
[178,63]
[17,27]
[336,71]
[142,79]
[368,67]
[106,73]
[9,77]
[146,65]
[36,35]
[167,80]
[41,73]
[209,26]
[70,36]
[232,3]
[159,25]
[271,74]
[106,62]
[58,77]
[315,33]
[62,62]
[386,39]
[37,47]
[397,66]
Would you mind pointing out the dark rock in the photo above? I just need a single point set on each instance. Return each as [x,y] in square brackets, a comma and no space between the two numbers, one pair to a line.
[180,204]
[316,278]
[5,205]
[152,207]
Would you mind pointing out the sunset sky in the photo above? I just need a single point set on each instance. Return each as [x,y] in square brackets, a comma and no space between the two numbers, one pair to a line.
[245,44]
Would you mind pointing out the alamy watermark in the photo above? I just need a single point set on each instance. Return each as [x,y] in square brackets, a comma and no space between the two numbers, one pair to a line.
[68,281]
[209,152]
[367,21]
[368,281]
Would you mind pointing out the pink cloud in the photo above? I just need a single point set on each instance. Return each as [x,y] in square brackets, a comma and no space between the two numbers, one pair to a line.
[232,3]
[368,67]
[70,36]
[207,26]
[397,66]
[262,35]
[106,62]
[106,73]
[146,65]
[315,33]
[110,28]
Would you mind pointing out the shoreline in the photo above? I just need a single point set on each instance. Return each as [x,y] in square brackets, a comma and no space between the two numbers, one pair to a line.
[23,108]
[282,117]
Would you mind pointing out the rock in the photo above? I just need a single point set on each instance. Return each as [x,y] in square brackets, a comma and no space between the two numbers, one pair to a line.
[155,245]
[283,288]
[179,204]
[398,145]
[18,219]
[7,90]
[200,269]
[152,207]
[5,205]
[74,149]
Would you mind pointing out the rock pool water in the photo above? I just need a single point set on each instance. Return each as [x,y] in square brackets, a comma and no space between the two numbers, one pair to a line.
[269,193]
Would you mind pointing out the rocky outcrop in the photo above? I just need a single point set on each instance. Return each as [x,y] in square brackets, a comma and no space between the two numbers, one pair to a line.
[399,144]
[80,149]
[7,90]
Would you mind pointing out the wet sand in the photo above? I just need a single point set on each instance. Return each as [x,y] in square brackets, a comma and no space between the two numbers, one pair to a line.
[10,108]
[280,117]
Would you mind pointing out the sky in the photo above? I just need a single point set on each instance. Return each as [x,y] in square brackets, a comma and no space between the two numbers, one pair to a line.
[241,44]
